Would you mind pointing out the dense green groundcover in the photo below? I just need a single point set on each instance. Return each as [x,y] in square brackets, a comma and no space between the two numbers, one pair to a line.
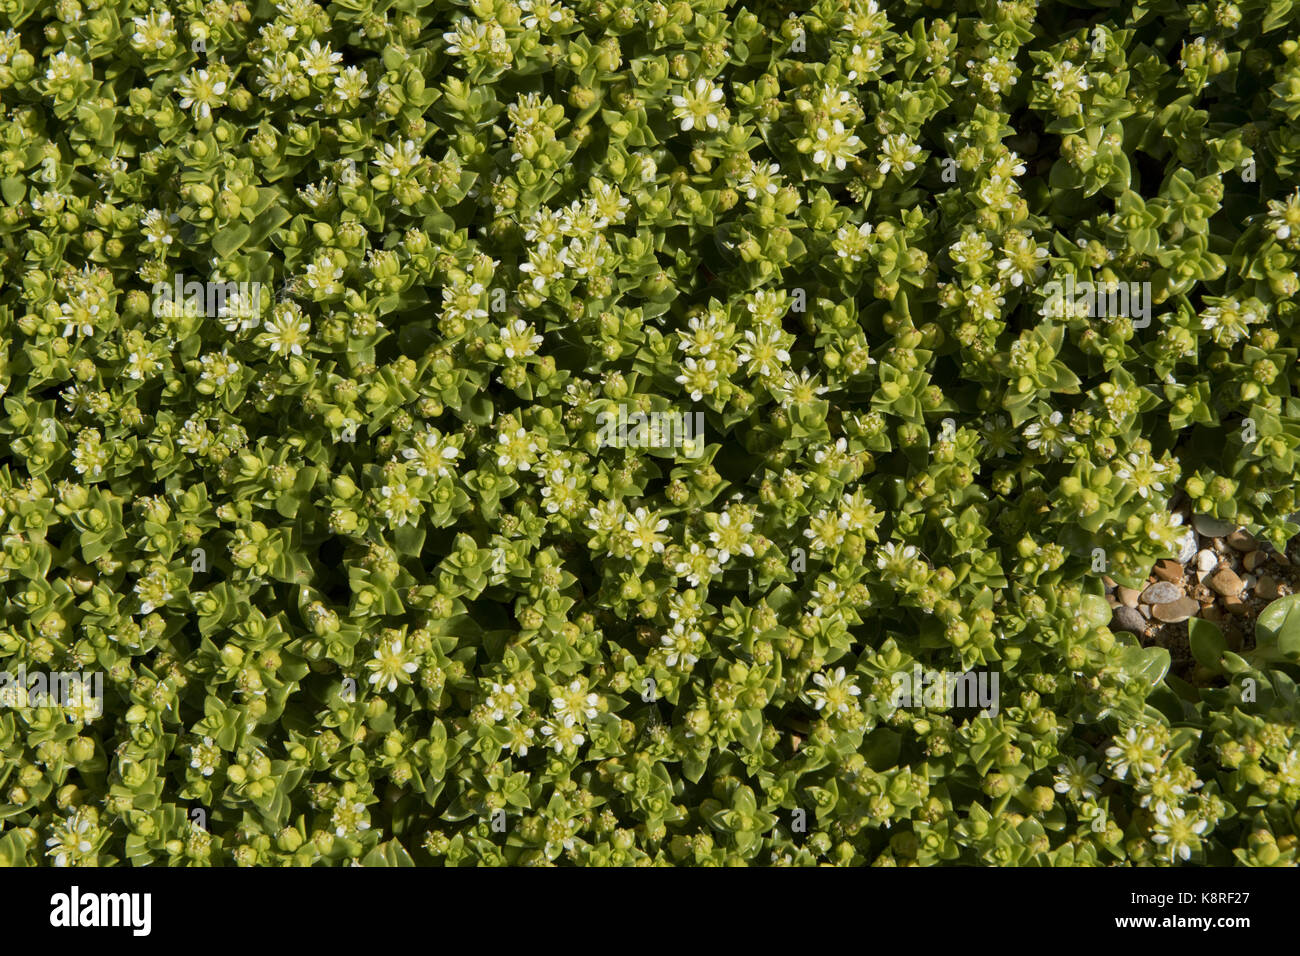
[365,574]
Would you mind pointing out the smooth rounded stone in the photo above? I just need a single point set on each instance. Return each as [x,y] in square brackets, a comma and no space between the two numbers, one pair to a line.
[1168,570]
[1236,605]
[1187,546]
[1212,612]
[1162,592]
[1175,612]
[1210,526]
[1127,619]
[1267,588]
[1225,582]
[1247,583]
[1127,596]
[1206,562]
[1253,560]
[1145,610]
[1242,540]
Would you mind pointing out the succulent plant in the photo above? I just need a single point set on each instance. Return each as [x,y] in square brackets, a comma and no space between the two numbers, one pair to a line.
[917,323]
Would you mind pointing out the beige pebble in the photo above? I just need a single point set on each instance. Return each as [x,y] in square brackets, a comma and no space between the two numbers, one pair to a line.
[1225,582]
[1254,560]
[1127,596]
[1267,588]
[1175,611]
